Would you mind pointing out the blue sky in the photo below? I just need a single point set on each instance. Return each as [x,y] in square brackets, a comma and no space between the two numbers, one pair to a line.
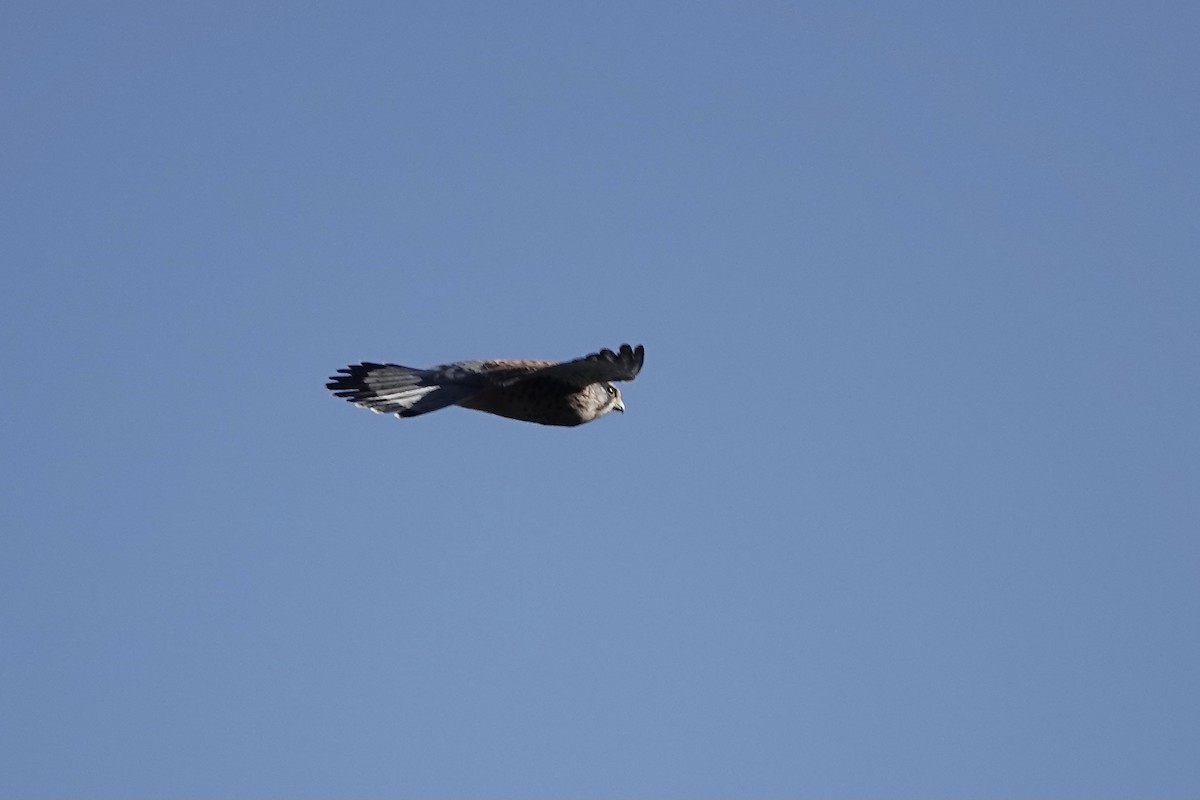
[905,503]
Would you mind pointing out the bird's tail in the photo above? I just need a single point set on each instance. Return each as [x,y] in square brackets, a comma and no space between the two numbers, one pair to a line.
[393,389]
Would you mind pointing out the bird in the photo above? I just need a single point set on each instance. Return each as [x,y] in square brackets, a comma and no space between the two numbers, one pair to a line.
[565,393]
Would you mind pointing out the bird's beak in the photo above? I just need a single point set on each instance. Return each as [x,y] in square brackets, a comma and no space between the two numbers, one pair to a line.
[620,406]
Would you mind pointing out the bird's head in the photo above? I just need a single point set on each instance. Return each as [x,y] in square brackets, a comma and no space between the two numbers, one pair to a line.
[603,398]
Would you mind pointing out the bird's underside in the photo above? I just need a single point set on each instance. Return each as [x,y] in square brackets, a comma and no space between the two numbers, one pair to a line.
[545,392]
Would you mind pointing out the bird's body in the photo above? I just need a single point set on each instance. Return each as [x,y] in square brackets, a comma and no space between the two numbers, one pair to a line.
[546,392]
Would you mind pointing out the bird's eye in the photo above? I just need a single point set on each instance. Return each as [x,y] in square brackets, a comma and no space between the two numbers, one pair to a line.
[612,390]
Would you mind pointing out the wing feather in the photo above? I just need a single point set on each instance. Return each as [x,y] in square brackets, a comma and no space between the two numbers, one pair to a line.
[403,391]
[605,365]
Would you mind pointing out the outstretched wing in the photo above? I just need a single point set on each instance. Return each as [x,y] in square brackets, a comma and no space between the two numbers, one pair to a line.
[404,391]
[623,365]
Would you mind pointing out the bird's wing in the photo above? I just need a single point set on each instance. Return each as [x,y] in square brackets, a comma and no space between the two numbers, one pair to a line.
[623,365]
[404,391]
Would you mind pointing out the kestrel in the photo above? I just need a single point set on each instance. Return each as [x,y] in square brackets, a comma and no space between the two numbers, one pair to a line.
[545,392]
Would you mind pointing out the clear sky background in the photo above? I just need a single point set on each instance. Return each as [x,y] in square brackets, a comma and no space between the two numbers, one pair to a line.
[906,502]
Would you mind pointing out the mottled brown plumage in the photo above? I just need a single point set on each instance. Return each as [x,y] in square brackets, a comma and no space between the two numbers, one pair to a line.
[545,392]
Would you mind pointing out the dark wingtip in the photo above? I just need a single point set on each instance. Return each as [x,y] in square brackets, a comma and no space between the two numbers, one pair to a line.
[348,383]
[629,357]
[633,357]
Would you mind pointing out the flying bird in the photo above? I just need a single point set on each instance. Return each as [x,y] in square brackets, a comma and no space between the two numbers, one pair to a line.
[545,392]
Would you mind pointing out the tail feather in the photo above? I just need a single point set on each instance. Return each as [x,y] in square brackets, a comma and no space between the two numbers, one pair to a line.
[393,389]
